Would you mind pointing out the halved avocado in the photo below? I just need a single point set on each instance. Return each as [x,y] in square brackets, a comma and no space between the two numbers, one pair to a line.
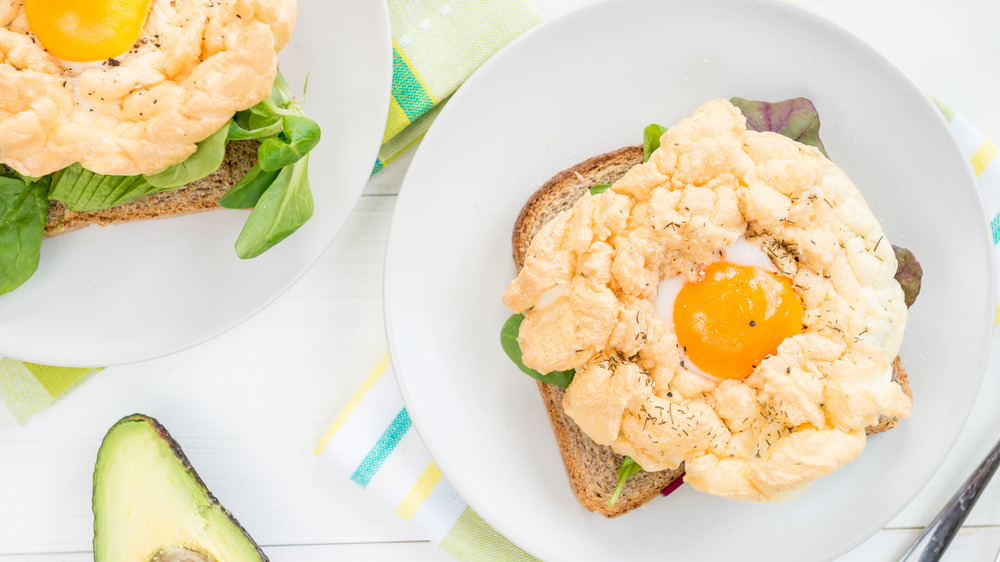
[151,506]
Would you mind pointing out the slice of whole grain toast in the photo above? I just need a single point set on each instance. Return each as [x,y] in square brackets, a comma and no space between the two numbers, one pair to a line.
[202,195]
[593,469]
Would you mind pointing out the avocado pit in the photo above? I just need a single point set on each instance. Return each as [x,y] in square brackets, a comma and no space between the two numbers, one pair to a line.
[180,554]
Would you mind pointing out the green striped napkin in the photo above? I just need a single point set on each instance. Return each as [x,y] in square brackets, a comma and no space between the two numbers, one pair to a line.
[436,45]
[27,388]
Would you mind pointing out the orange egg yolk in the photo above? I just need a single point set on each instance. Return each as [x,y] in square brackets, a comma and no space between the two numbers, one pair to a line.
[734,317]
[86,30]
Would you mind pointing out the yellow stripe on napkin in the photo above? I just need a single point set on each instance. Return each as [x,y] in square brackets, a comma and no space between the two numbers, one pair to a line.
[982,156]
[353,403]
[420,492]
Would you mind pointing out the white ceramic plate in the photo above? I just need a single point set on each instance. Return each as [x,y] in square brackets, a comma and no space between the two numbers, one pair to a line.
[133,292]
[588,83]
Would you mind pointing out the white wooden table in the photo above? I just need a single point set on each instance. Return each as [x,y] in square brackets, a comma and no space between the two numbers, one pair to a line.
[249,406]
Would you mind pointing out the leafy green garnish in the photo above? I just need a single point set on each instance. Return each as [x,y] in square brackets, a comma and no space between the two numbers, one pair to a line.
[508,340]
[7,172]
[599,188]
[207,159]
[908,274]
[628,469]
[23,206]
[795,118]
[241,129]
[82,190]
[284,206]
[651,139]
[247,191]
[238,132]
[277,187]
[298,136]
[650,142]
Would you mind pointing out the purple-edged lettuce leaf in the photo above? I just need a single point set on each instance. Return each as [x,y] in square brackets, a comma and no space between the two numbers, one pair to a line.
[908,274]
[796,119]
[672,486]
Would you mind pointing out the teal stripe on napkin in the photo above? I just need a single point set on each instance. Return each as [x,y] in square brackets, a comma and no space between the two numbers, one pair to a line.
[386,443]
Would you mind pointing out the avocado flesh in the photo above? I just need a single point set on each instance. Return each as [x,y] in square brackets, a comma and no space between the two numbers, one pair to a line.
[150,504]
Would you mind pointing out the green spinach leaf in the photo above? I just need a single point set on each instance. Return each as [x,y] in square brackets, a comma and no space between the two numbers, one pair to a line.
[508,340]
[260,121]
[650,142]
[23,207]
[264,119]
[207,159]
[628,469]
[247,191]
[285,206]
[238,132]
[82,190]
[7,172]
[277,187]
[651,139]
[599,188]
[299,135]
[264,115]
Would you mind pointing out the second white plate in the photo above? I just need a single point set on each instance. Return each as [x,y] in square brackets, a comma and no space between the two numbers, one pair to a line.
[588,83]
[132,292]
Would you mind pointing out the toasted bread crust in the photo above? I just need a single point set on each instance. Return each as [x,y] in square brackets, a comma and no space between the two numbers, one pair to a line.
[886,422]
[593,469]
[562,191]
[202,195]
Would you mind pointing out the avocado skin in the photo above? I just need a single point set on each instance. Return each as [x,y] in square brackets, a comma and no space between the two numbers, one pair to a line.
[161,433]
